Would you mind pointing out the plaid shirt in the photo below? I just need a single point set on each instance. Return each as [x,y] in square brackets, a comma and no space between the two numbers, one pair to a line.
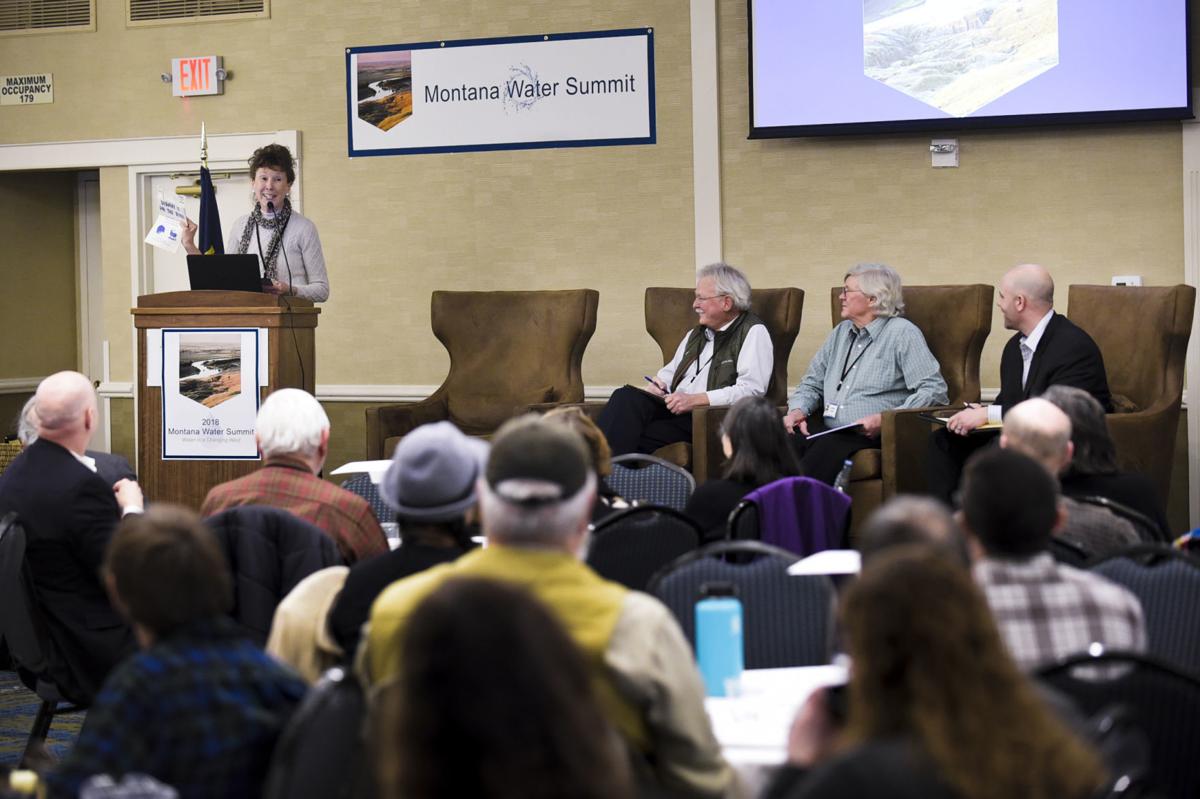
[1047,611]
[288,484]
[886,365]
[199,710]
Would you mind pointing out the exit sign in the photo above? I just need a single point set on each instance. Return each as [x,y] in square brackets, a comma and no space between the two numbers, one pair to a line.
[196,75]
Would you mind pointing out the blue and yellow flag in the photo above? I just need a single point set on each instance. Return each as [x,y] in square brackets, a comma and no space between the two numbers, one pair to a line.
[211,242]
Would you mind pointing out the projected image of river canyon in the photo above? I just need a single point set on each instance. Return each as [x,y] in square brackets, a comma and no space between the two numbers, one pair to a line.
[210,367]
[385,88]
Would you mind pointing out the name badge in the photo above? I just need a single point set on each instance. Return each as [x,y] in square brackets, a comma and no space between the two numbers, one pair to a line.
[831,410]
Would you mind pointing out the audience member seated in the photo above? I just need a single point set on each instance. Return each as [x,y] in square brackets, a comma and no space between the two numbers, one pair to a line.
[935,708]
[1093,470]
[535,500]
[874,361]
[431,486]
[1040,430]
[293,437]
[912,520]
[727,356]
[1045,610]
[199,708]
[111,467]
[1047,349]
[757,452]
[69,513]
[462,722]
[608,501]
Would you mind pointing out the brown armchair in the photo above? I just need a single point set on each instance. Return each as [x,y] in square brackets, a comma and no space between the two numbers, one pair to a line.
[669,316]
[1142,332]
[508,350]
[956,321]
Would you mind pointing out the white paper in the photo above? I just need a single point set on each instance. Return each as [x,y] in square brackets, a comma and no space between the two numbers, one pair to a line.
[164,234]
[829,561]
[376,469]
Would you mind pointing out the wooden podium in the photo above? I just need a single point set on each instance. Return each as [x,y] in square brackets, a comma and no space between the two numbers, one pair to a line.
[291,362]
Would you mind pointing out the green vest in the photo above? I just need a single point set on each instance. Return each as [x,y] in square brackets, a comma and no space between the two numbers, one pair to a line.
[727,345]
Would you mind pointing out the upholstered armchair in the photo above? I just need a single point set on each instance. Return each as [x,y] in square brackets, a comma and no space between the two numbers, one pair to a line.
[509,350]
[1142,332]
[956,321]
[669,316]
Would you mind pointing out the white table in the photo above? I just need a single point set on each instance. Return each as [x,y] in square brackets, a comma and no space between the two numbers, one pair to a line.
[752,728]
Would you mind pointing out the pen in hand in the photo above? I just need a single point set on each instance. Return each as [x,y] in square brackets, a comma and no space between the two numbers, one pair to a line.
[655,383]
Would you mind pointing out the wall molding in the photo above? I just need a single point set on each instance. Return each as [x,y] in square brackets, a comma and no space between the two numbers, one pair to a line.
[19,385]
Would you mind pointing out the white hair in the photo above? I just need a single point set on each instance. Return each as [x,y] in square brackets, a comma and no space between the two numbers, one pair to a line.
[728,280]
[881,282]
[546,524]
[290,421]
[27,423]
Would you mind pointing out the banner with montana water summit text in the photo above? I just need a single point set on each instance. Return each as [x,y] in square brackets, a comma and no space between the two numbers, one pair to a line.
[554,90]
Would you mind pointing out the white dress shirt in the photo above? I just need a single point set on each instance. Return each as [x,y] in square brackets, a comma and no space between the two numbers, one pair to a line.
[755,362]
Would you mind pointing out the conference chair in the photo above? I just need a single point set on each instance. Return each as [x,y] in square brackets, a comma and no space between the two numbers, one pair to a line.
[323,753]
[1167,583]
[34,655]
[798,514]
[669,317]
[955,321]
[269,551]
[361,484]
[631,546]
[1162,700]
[645,478]
[1143,333]
[1147,529]
[509,351]
[787,621]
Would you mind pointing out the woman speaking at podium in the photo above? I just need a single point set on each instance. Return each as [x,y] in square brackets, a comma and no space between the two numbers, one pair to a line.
[286,242]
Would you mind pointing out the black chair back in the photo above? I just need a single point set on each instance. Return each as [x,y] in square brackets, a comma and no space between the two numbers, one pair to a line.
[361,484]
[787,621]
[645,478]
[30,646]
[1167,583]
[322,752]
[1162,700]
[630,546]
[1068,552]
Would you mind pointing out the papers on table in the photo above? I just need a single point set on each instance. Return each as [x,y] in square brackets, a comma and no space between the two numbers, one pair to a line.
[830,561]
[376,469]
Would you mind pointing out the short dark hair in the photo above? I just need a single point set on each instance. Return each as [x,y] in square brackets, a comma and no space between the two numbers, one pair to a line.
[1095,452]
[911,519]
[1010,502]
[762,452]
[273,156]
[460,721]
[167,569]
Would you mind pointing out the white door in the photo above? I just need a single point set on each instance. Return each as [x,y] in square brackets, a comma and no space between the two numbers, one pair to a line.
[168,271]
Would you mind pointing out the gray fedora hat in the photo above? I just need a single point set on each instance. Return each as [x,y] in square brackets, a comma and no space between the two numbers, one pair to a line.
[433,473]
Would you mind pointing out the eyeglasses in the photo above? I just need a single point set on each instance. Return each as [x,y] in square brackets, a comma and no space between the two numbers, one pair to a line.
[846,291]
[713,297]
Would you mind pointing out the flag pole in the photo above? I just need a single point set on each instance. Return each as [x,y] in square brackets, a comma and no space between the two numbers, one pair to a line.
[203,147]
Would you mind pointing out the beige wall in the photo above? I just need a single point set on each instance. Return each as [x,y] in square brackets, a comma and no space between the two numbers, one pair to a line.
[37,267]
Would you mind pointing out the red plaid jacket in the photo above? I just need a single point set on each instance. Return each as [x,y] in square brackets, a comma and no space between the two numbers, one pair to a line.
[288,484]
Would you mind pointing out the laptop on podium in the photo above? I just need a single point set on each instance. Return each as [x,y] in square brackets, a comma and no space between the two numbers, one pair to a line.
[224,272]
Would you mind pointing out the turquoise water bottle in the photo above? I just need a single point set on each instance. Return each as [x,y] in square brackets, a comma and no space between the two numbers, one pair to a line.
[719,649]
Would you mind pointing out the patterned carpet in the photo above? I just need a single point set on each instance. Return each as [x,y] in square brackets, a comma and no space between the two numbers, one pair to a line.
[18,706]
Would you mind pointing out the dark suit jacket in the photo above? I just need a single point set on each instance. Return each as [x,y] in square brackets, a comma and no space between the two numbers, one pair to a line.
[111,468]
[1066,356]
[69,514]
